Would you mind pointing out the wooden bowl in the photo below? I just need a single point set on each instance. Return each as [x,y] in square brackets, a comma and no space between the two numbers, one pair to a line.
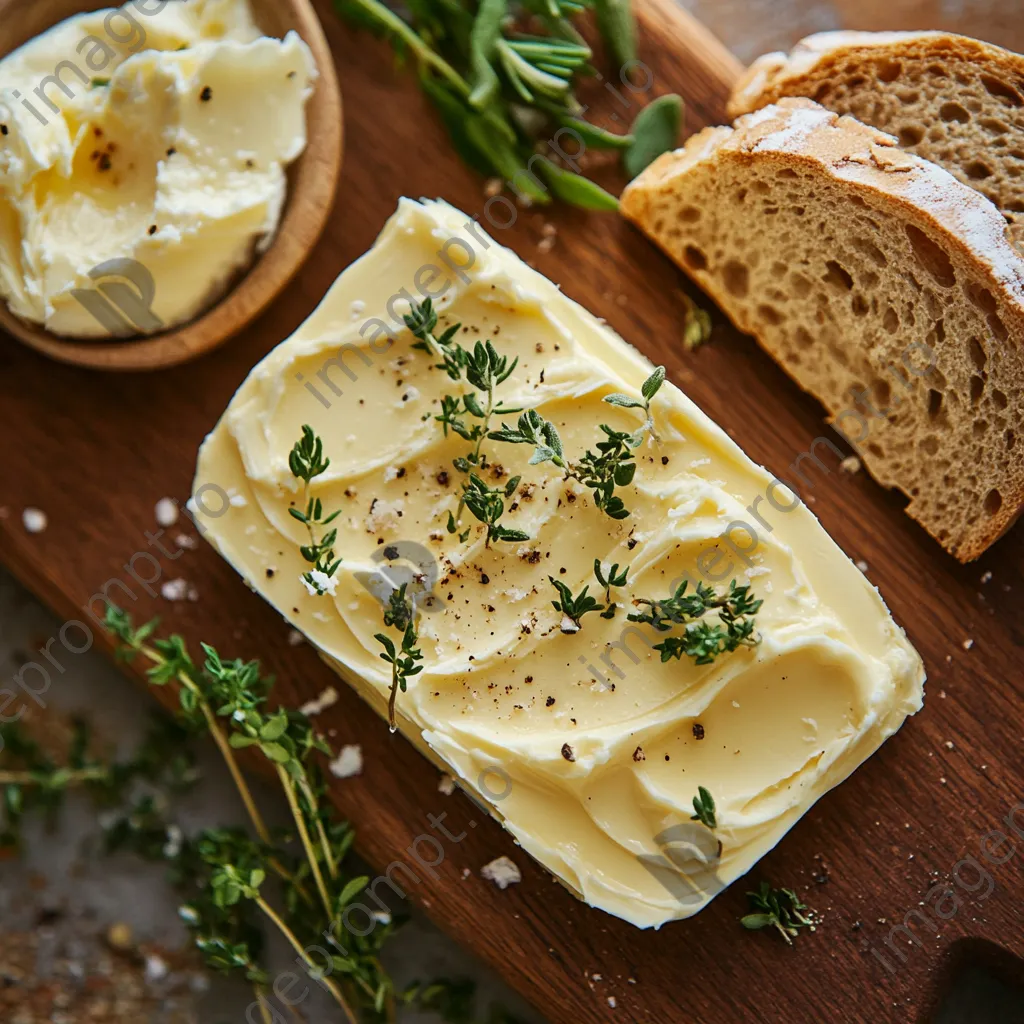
[312,180]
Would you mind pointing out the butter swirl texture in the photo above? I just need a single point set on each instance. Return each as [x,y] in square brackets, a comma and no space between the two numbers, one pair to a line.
[767,730]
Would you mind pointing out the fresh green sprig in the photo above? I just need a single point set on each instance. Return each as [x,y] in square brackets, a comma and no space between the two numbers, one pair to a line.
[404,659]
[306,462]
[422,321]
[780,909]
[702,641]
[648,390]
[533,429]
[487,504]
[229,697]
[32,782]
[611,466]
[469,417]
[573,608]
[704,808]
[613,578]
[453,1001]
[500,92]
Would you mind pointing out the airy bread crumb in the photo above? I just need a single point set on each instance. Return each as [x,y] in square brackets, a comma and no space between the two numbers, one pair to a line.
[880,283]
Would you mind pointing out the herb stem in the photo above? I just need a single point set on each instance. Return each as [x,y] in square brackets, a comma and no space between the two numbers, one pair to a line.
[339,998]
[261,1002]
[412,39]
[71,777]
[475,460]
[222,744]
[395,679]
[300,823]
[236,773]
[314,808]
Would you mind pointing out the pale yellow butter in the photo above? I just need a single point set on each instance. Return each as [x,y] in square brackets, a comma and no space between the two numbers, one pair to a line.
[504,690]
[156,134]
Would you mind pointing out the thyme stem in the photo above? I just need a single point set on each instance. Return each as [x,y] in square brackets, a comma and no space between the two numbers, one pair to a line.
[336,992]
[307,845]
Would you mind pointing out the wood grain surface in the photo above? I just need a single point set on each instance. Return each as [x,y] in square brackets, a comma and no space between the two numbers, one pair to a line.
[97,451]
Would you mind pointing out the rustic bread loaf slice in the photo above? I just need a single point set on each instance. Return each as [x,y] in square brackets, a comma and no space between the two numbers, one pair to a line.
[952,100]
[880,283]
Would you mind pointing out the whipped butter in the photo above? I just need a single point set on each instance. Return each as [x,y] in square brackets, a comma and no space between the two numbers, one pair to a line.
[157,134]
[584,744]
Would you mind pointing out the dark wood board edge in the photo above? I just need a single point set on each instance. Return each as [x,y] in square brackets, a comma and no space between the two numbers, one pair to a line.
[542,940]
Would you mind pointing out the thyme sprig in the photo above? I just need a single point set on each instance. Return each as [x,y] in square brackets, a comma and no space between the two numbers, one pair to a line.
[780,909]
[229,698]
[702,641]
[533,429]
[650,387]
[32,781]
[404,658]
[487,504]
[469,416]
[611,466]
[306,462]
[704,808]
[235,885]
[609,579]
[573,608]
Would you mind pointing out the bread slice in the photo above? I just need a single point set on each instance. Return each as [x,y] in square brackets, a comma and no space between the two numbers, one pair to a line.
[880,283]
[952,100]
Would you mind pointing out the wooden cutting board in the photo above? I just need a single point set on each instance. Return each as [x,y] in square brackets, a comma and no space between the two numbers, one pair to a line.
[97,452]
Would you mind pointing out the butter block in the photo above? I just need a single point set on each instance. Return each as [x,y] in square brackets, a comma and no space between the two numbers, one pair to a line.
[584,744]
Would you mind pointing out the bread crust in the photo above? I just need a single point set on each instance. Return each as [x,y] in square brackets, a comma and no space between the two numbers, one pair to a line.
[798,133]
[774,76]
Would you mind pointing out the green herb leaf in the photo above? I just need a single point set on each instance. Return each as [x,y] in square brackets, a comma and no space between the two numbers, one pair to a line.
[624,401]
[655,131]
[276,753]
[617,26]
[576,190]
[704,808]
[780,909]
[483,42]
[650,386]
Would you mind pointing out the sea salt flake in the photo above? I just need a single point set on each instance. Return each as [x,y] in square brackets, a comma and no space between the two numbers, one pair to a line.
[446,785]
[321,703]
[348,763]
[156,969]
[319,583]
[166,512]
[502,871]
[34,520]
[175,590]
